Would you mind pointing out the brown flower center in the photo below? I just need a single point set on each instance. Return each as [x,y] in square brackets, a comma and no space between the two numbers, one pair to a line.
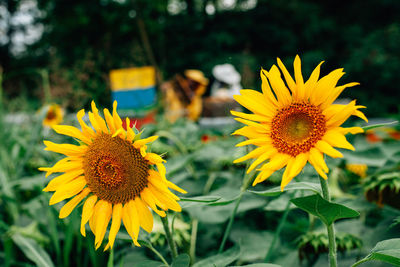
[297,128]
[51,114]
[114,170]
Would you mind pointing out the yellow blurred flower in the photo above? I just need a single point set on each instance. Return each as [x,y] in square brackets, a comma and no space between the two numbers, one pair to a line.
[295,122]
[54,115]
[112,168]
[359,169]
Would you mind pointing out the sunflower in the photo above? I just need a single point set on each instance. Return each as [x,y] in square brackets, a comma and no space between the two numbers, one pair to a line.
[112,169]
[54,115]
[294,122]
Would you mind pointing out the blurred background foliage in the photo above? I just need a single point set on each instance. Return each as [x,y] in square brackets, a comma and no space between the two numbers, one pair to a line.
[81,41]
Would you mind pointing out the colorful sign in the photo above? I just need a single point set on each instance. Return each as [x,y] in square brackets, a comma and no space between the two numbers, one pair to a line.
[134,88]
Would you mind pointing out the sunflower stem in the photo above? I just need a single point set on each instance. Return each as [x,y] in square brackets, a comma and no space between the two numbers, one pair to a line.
[330,228]
[168,234]
[158,254]
[246,183]
[278,232]
[110,262]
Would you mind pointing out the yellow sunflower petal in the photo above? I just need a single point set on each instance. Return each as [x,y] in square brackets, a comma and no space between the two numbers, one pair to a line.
[72,131]
[87,212]
[70,205]
[61,166]
[85,128]
[62,179]
[250,132]
[300,94]
[262,176]
[66,149]
[68,190]
[254,153]
[256,142]
[100,121]
[144,141]
[154,158]
[102,213]
[145,216]
[352,130]
[289,80]
[131,212]
[252,117]
[115,224]
[263,157]
[175,187]
[279,87]
[278,161]
[326,148]
[293,168]
[254,103]
[117,119]
[325,86]
[151,203]
[109,120]
[338,118]
[266,89]
[165,199]
[337,139]
[312,81]
[335,94]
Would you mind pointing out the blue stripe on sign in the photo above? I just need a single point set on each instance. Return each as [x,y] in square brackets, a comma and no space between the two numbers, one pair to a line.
[135,98]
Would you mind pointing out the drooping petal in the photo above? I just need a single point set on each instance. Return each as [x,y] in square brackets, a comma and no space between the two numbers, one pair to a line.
[102,213]
[70,205]
[87,212]
[145,216]
[293,168]
[115,224]
[68,190]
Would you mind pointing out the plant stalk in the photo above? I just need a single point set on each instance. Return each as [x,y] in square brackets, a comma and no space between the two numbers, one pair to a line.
[330,228]
[278,232]
[170,240]
[158,254]
[246,182]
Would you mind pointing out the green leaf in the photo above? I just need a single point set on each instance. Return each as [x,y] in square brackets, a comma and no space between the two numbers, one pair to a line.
[182,260]
[32,250]
[327,211]
[199,200]
[369,127]
[387,251]
[315,187]
[203,199]
[259,265]
[220,260]
[149,263]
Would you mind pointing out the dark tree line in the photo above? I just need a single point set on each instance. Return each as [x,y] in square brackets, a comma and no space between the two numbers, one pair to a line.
[83,40]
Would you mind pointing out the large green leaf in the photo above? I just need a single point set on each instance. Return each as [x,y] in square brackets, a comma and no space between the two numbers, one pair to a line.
[32,250]
[387,251]
[259,265]
[315,187]
[327,211]
[182,260]
[220,260]
[149,263]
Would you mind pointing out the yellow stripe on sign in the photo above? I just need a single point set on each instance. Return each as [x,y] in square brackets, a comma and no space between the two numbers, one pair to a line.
[132,78]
